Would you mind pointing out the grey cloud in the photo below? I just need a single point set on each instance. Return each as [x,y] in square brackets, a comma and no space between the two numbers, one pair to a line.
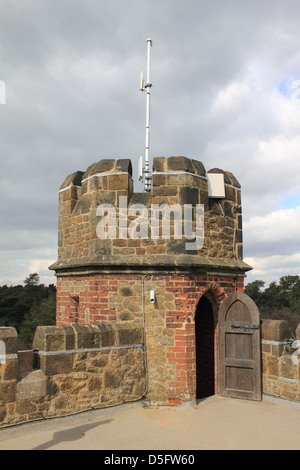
[72,75]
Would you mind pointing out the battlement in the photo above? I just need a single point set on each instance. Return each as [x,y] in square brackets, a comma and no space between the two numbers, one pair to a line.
[181,222]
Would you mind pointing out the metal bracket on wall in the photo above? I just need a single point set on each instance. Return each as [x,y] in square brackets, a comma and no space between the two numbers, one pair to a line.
[245,327]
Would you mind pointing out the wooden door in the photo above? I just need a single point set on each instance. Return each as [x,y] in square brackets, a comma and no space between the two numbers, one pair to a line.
[239,347]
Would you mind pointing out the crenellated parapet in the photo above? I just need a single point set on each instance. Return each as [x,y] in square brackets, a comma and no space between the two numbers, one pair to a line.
[191,218]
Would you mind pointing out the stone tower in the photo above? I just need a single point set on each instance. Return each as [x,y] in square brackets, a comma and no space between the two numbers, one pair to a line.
[164,259]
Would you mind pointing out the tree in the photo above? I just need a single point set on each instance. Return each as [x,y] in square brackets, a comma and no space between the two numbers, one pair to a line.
[278,301]
[16,303]
[38,315]
[294,297]
[253,289]
[32,280]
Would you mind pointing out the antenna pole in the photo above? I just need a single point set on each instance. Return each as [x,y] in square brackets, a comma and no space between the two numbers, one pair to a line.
[147,86]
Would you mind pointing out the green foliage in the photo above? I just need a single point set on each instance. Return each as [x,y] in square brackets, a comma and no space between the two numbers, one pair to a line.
[25,307]
[39,314]
[32,280]
[253,289]
[278,301]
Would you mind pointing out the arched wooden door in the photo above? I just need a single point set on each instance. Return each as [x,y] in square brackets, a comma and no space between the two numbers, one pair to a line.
[239,348]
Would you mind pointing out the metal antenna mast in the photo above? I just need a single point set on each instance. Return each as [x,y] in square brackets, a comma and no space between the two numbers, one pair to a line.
[145,86]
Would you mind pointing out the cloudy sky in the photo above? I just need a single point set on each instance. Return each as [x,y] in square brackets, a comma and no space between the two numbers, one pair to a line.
[226,91]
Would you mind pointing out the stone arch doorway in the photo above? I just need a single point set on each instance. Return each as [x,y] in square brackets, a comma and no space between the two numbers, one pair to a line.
[205,349]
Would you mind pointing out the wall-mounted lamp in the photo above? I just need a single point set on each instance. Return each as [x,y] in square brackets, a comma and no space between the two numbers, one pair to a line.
[152,296]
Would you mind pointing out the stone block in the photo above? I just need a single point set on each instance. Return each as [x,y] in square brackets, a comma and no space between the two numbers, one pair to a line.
[272,366]
[32,385]
[103,166]
[69,337]
[95,383]
[180,164]
[74,179]
[99,247]
[8,391]
[124,165]
[9,370]
[118,182]
[25,407]
[9,336]
[52,364]
[165,191]
[97,183]
[287,368]
[232,179]
[159,164]
[188,196]
[112,378]
[159,180]
[87,337]
[278,349]
[178,247]
[275,330]
[83,205]
[108,334]
[129,334]
[227,208]
[199,168]
[49,338]
[104,197]
[230,193]
[141,198]
[204,199]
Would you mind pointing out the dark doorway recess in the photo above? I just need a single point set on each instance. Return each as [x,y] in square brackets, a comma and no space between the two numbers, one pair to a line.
[205,349]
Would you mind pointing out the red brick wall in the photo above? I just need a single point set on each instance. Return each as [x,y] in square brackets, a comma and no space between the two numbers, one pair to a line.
[92,294]
[189,290]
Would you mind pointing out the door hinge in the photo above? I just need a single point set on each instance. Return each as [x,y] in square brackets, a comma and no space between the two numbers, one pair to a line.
[245,327]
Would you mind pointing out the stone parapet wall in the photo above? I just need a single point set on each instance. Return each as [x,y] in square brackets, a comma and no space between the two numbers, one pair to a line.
[78,367]
[281,359]
[82,367]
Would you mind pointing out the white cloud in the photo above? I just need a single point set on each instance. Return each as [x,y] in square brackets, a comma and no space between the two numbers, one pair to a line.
[280,227]
[272,268]
[233,97]
[16,265]
[272,245]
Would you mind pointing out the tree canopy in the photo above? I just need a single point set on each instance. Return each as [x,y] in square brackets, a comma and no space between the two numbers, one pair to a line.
[26,307]
[279,300]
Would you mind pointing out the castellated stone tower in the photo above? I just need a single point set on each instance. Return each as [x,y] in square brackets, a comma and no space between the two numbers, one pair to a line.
[164,259]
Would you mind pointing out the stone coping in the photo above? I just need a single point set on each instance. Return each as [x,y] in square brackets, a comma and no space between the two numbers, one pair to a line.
[166,262]
[87,337]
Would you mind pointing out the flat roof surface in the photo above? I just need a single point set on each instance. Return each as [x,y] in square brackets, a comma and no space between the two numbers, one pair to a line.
[214,423]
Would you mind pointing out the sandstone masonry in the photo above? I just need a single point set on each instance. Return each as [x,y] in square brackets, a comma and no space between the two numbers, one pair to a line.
[77,368]
[72,368]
